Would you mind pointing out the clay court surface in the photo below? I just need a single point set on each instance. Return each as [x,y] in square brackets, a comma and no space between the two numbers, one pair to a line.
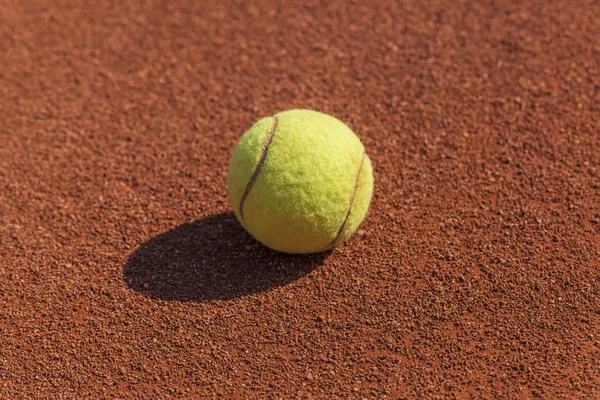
[124,274]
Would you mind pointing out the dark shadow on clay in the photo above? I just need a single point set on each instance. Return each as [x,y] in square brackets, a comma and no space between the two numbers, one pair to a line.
[213,258]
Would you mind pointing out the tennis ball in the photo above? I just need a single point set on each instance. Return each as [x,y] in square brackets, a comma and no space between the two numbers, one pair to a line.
[300,181]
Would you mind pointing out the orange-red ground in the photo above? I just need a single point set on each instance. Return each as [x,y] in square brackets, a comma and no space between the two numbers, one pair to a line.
[124,274]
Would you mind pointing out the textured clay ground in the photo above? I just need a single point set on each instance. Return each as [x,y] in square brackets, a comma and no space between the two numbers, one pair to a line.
[123,273]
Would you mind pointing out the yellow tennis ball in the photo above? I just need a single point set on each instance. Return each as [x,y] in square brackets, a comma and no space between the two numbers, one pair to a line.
[300,181]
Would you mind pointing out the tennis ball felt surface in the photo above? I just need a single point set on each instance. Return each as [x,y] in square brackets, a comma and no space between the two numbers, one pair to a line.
[300,181]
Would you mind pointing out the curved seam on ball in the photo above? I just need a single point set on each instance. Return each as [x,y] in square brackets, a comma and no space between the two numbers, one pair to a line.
[343,225]
[265,149]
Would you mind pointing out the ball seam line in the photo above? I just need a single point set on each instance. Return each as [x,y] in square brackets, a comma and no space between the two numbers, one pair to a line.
[343,225]
[263,156]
